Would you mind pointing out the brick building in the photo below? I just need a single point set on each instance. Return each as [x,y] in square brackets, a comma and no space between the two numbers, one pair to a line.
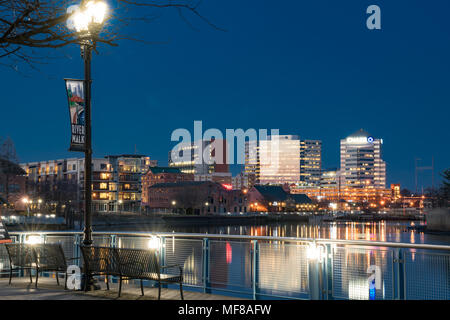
[162,175]
[195,197]
[276,198]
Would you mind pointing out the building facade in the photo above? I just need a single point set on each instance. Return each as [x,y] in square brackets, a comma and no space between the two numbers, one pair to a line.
[200,157]
[195,197]
[362,165]
[310,162]
[116,182]
[330,178]
[284,159]
[162,175]
[270,198]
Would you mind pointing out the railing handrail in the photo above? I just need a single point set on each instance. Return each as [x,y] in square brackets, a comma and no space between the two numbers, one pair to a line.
[245,237]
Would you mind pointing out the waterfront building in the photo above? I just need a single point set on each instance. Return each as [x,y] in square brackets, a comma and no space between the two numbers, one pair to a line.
[284,159]
[275,160]
[200,157]
[195,197]
[61,182]
[116,182]
[243,181]
[271,198]
[162,175]
[361,161]
[219,177]
[310,162]
[395,192]
[330,179]
[346,197]
[127,172]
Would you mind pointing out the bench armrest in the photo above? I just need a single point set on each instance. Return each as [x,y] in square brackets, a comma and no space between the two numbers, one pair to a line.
[173,266]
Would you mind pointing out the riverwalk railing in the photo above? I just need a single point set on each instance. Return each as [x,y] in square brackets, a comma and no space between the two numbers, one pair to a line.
[263,267]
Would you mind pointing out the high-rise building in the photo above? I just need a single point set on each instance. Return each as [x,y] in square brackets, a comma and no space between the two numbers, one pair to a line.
[284,159]
[275,160]
[330,179]
[200,157]
[361,161]
[310,162]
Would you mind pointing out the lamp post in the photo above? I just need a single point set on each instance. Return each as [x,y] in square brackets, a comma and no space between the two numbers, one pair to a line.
[120,204]
[25,200]
[88,19]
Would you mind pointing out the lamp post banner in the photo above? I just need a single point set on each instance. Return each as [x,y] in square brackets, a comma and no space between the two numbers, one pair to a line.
[75,97]
[4,236]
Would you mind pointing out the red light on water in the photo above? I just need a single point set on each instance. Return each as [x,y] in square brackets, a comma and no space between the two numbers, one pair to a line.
[229,253]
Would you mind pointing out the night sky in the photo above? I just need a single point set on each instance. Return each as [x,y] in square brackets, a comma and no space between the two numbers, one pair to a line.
[310,68]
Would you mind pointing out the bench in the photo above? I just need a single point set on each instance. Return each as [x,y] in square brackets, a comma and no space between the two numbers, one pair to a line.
[41,257]
[129,264]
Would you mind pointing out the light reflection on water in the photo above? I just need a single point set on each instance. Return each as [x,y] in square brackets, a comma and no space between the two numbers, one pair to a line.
[391,231]
[283,267]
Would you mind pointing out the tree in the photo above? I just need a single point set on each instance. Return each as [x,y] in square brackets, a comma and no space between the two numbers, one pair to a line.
[405,193]
[26,25]
[446,186]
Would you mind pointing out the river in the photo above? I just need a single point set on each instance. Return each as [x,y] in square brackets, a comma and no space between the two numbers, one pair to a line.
[391,231]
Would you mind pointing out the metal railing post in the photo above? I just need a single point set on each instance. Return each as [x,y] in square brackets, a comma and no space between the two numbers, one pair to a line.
[255,268]
[399,275]
[315,271]
[329,273]
[113,240]
[205,271]
[77,250]
[162,256]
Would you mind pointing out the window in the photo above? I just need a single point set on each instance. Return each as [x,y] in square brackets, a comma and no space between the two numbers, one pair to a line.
[102,166]
[103,186]
[104,176]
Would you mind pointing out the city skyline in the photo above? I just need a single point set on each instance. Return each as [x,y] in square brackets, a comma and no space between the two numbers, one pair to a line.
[302,69]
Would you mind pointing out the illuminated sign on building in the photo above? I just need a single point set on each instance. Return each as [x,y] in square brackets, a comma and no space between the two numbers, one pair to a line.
[357,140]
[227,186]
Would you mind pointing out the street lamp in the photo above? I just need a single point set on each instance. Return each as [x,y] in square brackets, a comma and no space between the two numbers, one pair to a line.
[120,204]
[88,20]
[25,200]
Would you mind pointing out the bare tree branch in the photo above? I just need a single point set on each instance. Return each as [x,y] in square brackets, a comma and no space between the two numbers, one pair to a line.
[27,24]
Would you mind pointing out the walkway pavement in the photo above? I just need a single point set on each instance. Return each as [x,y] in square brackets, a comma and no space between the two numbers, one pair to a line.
[21,289]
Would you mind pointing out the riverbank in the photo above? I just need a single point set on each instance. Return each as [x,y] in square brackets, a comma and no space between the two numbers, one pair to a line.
[164,221]
[180,220]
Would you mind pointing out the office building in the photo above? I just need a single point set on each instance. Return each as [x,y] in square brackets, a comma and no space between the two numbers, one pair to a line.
[310,162]
[361,161]
[284,159]
[200,157]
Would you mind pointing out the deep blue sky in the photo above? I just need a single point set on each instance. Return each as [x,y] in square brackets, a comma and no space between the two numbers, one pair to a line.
[310,68]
